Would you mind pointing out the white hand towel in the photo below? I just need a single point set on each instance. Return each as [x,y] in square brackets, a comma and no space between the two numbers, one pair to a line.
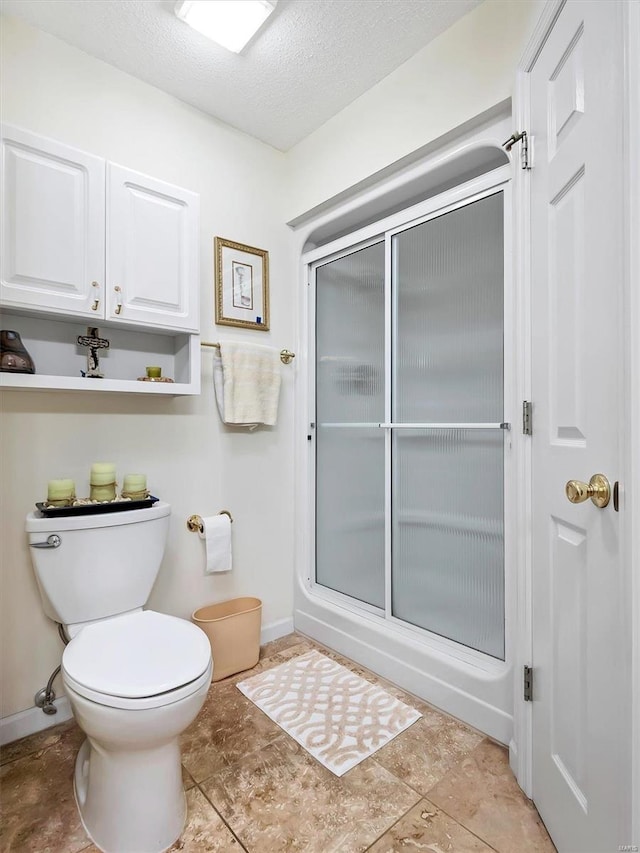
[217,538]
[218,383]
[247,384]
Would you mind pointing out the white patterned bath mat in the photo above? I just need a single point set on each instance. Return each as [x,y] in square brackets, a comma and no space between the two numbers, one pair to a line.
[334,714]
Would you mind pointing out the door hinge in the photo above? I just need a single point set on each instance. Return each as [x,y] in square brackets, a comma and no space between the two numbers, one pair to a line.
[528,684]
[520,136]
[527,425]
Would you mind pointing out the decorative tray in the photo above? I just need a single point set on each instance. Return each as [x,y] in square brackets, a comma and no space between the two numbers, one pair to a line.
[94,509]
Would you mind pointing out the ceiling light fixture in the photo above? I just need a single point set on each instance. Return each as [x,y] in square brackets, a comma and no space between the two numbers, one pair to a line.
[230,23]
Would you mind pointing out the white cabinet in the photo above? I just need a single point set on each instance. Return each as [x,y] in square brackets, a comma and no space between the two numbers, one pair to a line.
[152,243]
[89,243]
[86,238]
[53,226]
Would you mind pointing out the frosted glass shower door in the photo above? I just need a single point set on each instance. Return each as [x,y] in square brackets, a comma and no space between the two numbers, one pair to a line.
[447,481]
[350,446]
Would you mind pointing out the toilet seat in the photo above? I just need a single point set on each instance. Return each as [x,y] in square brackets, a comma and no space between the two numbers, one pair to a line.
[140,660]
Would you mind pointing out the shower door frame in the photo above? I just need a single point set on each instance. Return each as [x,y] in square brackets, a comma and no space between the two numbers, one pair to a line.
[491,183]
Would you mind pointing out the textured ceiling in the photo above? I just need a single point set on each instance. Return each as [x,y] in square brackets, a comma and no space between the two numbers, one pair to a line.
[312,58]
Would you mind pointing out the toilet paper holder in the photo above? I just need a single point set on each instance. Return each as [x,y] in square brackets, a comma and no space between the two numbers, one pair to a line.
[195,525]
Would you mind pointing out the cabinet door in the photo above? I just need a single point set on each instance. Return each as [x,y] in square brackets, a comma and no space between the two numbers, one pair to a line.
[152,251]
[52,226]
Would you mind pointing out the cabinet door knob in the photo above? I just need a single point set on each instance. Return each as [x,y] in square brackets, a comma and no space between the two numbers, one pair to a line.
[118,290]
[96,296]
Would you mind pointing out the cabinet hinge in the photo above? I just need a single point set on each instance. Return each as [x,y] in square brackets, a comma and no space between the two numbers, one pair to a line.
[528,684]
[520,136]
[527,425]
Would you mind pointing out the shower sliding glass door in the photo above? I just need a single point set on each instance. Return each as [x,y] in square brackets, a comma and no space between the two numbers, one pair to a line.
[409,424]
[350,405]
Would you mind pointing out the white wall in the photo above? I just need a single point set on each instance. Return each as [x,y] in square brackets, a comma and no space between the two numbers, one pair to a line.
[468,69]
[190,459]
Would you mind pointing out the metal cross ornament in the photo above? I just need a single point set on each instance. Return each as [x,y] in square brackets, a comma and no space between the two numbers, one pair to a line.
[95,343]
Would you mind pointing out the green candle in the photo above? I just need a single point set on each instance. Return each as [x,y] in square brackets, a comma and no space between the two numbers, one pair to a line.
[61,492]
[103,481]
[103,493]
[102,474]
[134,483]
[135,487]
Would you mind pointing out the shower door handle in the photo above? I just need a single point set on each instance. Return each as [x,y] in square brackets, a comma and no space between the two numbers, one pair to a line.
[505,426]
[598,489]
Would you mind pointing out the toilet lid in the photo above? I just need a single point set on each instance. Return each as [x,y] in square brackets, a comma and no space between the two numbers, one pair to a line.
[138,655]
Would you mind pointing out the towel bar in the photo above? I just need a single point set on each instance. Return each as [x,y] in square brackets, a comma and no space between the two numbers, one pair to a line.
[286,356]
[195,525]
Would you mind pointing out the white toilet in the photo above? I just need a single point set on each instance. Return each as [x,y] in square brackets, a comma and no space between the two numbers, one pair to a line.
[135,678]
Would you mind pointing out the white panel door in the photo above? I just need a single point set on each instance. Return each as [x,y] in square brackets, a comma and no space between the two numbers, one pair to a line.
[152,252]
[580,681]
[52,226]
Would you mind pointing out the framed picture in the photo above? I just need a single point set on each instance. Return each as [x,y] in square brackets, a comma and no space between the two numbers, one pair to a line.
[242,285]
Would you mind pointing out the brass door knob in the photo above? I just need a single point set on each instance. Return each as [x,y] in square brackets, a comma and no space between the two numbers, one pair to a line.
[598,489]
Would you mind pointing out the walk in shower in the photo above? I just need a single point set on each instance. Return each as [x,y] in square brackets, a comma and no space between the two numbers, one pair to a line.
[408,430]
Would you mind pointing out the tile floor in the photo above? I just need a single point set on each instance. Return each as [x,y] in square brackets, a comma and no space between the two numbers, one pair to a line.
[439,786]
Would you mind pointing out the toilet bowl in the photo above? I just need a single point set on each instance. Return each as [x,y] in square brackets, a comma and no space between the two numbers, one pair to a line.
[135,682]
[135,678]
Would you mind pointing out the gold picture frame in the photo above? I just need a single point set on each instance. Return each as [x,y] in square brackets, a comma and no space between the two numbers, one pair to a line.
[241,285]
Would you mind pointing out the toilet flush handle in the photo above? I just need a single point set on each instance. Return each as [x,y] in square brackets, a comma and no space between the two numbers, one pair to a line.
[53,541]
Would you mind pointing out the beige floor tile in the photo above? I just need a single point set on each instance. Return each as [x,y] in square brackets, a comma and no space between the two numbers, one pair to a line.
[423,754]
[35,743]
[228,727]
[280,799]
[38,807]
[426,828]
[482,794]
[187,779]
[300,648]
[263,663]
[279,645]
[205,831]
[36,791]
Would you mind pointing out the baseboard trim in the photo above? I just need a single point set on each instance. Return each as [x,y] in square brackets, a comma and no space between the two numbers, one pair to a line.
[33,720]
[275,630]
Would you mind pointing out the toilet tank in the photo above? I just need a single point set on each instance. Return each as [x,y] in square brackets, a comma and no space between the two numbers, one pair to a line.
[106,563]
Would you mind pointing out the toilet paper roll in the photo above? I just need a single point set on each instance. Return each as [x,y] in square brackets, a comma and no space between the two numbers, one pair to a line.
[217,539]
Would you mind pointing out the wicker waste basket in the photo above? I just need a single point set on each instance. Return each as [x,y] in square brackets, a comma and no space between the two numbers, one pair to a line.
[233,629]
